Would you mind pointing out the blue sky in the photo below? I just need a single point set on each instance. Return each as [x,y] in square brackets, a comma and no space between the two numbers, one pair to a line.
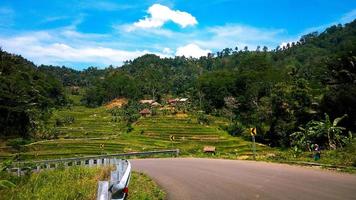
[102,32]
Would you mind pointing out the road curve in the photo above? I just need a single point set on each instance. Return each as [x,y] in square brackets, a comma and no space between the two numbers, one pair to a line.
[192,178]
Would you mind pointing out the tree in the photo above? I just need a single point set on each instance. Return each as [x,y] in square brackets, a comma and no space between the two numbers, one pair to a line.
[323,132]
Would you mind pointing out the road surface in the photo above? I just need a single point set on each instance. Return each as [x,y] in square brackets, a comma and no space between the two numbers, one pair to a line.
[204,179]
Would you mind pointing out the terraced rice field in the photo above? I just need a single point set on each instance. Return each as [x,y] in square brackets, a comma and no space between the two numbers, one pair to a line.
[94,132]
[88,122]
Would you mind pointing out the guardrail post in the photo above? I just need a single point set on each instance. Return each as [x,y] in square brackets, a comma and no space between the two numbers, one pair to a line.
[103,190]
[91,161]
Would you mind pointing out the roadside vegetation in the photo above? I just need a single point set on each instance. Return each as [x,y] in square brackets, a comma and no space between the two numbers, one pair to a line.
[143,188]
[71,183]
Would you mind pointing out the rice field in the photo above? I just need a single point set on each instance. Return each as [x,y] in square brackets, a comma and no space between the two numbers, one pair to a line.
[93,131]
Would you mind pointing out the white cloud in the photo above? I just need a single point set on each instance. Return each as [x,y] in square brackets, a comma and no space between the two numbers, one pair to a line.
[157,31]
[41,48]
[167,50]
[232,35]
[192,50]
[160,14]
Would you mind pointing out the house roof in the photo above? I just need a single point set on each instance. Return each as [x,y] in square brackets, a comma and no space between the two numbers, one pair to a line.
[148,101]
[145,111]
[156,104]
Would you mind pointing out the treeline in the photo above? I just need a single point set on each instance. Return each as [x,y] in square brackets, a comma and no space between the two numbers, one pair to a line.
[280,91]
[26,97]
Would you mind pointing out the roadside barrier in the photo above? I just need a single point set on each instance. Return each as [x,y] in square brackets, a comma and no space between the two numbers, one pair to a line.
[118,186]
[21,168]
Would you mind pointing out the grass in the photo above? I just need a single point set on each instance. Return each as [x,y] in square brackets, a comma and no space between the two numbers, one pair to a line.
[93,127]
[71,183]
[143,188]
[79,183]
[340,157]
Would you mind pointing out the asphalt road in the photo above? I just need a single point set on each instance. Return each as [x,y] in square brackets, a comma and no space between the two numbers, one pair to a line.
[204,179]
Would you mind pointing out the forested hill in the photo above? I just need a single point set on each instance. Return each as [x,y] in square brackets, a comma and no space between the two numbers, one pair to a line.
[26,96]
[276,90]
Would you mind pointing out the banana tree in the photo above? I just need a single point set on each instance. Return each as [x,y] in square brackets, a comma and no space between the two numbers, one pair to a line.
[316,130]
[333,131]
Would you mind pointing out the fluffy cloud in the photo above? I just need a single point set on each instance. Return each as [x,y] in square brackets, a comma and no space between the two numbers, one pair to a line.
[47,48]
[231,35]
[192,50]
[160,14]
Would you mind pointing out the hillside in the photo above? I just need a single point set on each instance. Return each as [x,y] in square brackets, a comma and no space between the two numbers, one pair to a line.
[93,132]
[286,93]
[26,96]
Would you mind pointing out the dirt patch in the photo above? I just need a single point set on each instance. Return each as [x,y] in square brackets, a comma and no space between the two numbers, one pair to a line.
[118,102]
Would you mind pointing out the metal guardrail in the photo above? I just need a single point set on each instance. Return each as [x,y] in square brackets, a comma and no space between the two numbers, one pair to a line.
[117,187]
[20,168]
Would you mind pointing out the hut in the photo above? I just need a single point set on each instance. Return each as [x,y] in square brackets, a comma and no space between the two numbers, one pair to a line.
[145,112]
[156,104]
[147,101]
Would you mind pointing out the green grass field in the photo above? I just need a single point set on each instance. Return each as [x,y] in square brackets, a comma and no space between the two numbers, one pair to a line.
[78,183]
[93,127]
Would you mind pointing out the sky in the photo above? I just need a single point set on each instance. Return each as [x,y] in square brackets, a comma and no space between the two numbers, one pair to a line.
[100,33]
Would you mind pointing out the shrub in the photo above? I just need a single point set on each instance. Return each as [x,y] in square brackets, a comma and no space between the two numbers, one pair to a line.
[203,119]
[64,121]
[18,143]
[234,129]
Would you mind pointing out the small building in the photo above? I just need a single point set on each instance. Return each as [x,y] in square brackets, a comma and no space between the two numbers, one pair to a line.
[172,101]
[177,100]
[147,101]
[145,112]
[156,104]
[74,90]
[183,100]
[209,149]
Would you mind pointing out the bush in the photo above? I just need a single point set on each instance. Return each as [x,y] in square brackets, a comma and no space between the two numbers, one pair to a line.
[203,119]
[234,129]
[18,143]
[64,121]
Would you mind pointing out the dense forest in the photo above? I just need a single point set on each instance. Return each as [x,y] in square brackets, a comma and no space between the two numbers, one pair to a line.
[26,96]
[298,94]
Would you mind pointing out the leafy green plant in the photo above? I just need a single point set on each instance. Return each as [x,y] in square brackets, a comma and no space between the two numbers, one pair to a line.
[203,119]
[325,130]
[234,129]
[17,143]
[5,184]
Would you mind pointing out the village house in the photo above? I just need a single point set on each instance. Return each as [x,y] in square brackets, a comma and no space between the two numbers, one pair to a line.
[145,112]
[147,101]
[177,100]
